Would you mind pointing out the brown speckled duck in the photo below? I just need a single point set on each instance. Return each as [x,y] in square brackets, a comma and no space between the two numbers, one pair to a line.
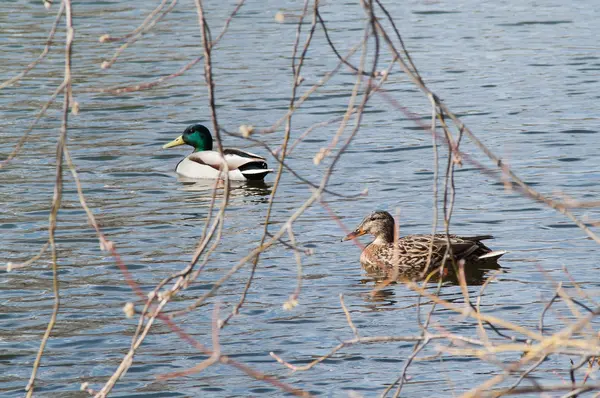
[411,252]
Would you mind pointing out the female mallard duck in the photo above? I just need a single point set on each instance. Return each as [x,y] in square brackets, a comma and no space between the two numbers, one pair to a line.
[205,163]
[410,254]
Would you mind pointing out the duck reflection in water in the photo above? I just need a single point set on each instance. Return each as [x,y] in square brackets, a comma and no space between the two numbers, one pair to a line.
[255,191]
[416,257]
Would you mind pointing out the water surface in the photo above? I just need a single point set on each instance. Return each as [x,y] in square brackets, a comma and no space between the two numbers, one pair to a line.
[522,75]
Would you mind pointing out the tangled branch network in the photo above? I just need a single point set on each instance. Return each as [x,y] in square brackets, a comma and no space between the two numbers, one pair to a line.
[380,53]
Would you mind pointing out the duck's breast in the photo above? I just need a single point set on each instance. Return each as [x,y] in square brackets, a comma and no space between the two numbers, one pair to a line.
[371,256]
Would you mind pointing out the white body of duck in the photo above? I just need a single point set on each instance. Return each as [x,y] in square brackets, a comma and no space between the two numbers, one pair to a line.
[206,163]
[242,165]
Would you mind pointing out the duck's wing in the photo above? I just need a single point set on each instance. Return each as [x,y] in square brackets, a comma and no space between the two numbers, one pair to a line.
[209,158]
[234,152]
[476,238]
[235,158]
[252,167]
[419,245]
[463,246]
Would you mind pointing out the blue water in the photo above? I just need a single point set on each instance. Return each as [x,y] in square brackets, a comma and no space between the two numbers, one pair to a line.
[522,75]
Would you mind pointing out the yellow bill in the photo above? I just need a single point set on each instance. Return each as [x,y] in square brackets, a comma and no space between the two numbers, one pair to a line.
[176,142]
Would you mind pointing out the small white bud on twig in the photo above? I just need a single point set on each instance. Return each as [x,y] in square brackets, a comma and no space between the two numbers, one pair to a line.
[9,266]
[290,304]
[151,295]
[457,159]
[105,65]
[75,108]
[47,4]
[246,130]
[164,295]
[383,73]
[280,17]
[84,386]
[320,156]
[106,245]
[299,80]
[104,38]
[129,310]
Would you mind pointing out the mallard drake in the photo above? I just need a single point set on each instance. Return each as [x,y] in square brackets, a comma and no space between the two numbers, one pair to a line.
[410,253]
[205,163]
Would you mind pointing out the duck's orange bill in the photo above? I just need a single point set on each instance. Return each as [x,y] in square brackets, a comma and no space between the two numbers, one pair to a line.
[354,234]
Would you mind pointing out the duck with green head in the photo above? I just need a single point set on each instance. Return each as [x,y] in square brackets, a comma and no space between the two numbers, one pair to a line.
[203,162]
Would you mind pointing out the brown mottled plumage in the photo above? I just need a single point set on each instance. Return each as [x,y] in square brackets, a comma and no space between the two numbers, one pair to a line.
[411,253]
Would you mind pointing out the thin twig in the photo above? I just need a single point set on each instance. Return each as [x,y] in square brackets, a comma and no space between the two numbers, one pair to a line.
[57,198]
[137,33]
[44,52]
[348,317]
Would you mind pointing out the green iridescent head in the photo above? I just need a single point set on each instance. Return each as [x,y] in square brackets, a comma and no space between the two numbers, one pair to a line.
[196,136]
